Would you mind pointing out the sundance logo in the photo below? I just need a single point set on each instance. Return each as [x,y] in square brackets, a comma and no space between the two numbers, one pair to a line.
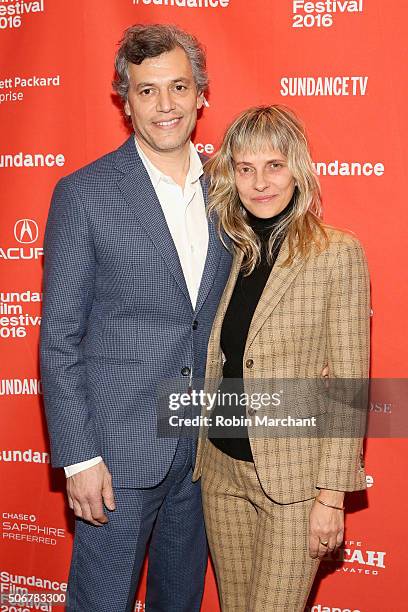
[24,456]
[14,318]
[185,3]
[205,149]
[31,160]
[9,580]
[342,168]
[20,386]
[321,608]
[324,86]
[12,15]
[320,14]
[25,233]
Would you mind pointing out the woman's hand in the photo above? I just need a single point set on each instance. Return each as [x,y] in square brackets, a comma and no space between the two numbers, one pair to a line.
[325,372]
[326,525]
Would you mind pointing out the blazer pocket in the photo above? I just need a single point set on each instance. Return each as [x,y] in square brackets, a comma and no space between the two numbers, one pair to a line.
[120,340]
[310,397]
[112,359]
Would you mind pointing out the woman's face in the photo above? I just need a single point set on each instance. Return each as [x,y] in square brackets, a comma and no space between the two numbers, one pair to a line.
[264,182]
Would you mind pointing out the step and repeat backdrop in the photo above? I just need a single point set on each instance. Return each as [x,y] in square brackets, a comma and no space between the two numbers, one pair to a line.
[339,65]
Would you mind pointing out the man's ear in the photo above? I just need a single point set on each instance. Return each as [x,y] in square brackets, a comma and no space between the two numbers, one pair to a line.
[127,108]
[200,100]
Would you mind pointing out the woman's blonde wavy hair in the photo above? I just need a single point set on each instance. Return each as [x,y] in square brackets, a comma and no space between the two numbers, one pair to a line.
[258,129]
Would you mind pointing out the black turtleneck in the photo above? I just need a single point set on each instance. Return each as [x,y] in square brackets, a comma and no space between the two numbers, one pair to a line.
[234,332]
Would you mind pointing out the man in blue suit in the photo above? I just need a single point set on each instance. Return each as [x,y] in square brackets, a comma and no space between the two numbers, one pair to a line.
[133,275]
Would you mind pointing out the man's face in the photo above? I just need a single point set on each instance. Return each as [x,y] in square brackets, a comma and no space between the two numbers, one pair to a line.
[163,101]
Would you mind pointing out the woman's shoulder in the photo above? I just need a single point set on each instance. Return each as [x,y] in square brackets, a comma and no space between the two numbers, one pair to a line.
[339,239]
[338,245]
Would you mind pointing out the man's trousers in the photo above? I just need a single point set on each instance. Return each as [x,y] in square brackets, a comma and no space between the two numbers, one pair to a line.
[107,560]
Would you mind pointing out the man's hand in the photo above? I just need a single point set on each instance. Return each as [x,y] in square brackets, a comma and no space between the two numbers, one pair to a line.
[87,490]
[326,524]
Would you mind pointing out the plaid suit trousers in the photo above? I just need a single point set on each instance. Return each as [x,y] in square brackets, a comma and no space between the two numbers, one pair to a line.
[259,547]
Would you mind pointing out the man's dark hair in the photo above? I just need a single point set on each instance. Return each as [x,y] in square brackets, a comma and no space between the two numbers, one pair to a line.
[143,41]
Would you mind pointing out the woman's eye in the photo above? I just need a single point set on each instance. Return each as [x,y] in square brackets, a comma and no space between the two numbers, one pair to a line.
[276,165]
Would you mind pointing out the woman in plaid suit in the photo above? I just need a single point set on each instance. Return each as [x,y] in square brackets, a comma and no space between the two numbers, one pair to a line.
[297,300]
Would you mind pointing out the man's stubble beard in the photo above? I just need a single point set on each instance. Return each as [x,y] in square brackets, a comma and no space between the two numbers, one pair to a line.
[155,146]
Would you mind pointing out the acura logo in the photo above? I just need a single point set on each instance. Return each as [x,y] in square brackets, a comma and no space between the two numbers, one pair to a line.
[26,231]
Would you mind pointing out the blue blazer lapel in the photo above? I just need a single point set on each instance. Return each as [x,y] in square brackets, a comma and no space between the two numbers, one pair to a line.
[138,191]
[213,254]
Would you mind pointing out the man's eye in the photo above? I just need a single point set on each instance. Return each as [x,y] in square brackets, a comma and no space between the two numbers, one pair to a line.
[146,92]
[180,87]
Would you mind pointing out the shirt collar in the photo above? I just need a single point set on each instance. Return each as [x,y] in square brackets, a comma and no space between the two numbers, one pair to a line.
[156,175]
[196,166]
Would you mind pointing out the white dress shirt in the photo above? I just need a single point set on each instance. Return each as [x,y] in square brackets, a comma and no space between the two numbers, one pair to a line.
[185,214]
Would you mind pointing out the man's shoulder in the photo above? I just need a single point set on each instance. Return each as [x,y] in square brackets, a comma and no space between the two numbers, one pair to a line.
[101,170]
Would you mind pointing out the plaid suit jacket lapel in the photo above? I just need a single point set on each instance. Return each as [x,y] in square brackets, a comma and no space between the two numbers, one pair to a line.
[214,342]
[139,193]
[277,284]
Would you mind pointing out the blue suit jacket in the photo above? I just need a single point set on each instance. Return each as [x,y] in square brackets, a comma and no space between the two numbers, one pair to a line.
[117,318]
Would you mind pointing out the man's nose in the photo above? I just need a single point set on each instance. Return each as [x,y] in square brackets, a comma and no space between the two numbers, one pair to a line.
[165,102]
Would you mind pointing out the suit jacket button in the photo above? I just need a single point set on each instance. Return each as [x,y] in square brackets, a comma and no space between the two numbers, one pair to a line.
[185,371]
[195,325]
[249,363]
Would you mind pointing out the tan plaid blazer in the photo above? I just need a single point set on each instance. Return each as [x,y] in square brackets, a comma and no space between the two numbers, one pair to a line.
[311,313]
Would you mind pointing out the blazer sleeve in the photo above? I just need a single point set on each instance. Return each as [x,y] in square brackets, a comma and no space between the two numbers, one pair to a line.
[68,286]
[348,349]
